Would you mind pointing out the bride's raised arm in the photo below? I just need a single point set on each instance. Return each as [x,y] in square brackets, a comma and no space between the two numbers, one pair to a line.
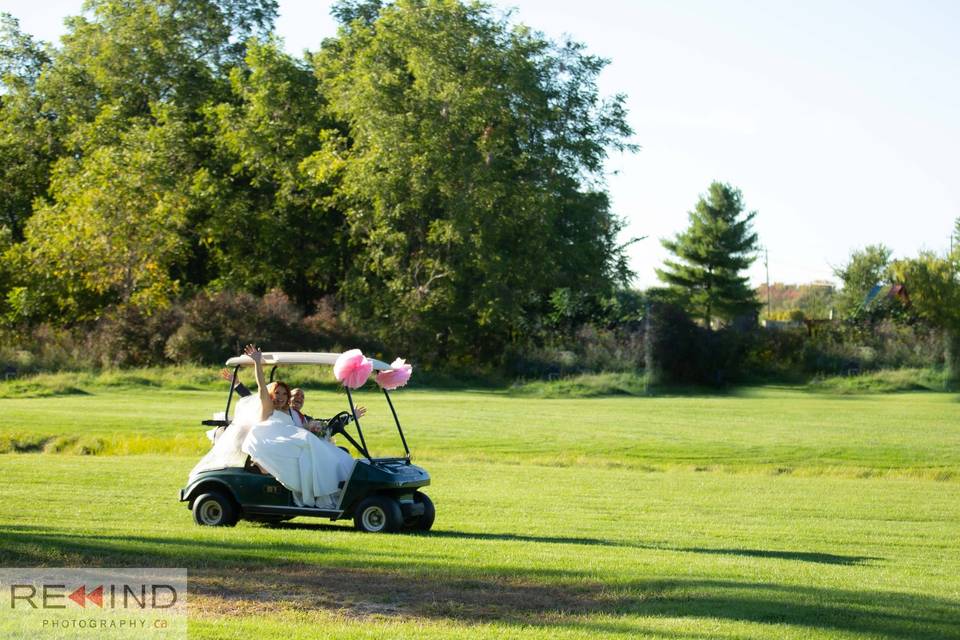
[266,402]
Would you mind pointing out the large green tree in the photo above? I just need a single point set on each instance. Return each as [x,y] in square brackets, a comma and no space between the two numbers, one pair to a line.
[469,172]
[867,268]
[111,232]
[121,164]
[705,276]
[130,55]
[955,241]
[274,223]
[28,139]
[435,166]
[932,285]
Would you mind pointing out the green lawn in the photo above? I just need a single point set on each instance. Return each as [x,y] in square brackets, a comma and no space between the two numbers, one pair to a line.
[769,513]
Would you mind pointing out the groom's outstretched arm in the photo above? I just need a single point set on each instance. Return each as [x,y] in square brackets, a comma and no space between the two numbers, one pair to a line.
[239,387]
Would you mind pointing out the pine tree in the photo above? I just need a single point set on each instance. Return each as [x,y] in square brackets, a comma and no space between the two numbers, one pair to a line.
[715,248]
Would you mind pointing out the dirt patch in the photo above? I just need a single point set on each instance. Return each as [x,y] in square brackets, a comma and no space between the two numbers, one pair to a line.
[361,593]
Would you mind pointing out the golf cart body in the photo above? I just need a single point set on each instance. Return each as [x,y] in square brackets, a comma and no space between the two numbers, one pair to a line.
[381,494]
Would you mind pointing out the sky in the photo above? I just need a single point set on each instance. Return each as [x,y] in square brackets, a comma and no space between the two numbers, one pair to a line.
[837,120]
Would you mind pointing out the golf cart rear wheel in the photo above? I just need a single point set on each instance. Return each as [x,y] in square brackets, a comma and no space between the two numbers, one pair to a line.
[425,521]
[214,510]
[378,514]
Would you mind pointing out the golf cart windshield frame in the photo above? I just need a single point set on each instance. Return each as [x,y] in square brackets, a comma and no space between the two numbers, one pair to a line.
[362,445]
[356,420]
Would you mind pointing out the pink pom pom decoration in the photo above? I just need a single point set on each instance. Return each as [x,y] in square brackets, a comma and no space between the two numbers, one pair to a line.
[352,368]
[396,376]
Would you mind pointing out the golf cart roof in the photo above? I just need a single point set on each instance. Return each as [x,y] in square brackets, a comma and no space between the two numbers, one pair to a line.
[297,358]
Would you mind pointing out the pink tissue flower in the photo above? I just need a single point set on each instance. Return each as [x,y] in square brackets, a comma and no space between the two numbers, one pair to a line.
[352,368]
[396,376]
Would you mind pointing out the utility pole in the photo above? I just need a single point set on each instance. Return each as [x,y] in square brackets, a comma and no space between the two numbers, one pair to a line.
[950,259]
[766,265]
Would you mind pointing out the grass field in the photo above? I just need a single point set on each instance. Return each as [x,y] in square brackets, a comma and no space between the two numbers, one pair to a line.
[764,513]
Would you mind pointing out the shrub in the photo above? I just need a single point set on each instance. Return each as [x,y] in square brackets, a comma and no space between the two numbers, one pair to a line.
[44,348]
[584,386]
[129,336]
[887,381]
[675,347]
[868,346]
[215,324]
[591,348]
[202,329]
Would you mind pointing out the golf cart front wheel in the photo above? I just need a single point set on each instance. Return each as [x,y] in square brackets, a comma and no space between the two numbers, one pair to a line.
[425,521]
[214,510]
[378,514]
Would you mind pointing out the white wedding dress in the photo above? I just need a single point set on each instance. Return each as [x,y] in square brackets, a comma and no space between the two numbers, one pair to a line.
[309,466]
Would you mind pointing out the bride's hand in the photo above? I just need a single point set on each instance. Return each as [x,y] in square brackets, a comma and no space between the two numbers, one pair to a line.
[253,352]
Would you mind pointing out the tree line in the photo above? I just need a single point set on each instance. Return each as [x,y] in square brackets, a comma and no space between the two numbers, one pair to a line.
[428,181]
[893,312]
[432,172]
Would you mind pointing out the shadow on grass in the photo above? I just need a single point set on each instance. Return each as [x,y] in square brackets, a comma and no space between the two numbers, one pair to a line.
[258,577]
[227,551]
[799,556]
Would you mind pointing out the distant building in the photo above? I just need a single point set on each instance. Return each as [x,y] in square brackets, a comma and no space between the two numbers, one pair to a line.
[886,292]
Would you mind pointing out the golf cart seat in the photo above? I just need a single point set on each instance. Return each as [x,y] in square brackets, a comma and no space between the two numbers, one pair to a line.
[252,467]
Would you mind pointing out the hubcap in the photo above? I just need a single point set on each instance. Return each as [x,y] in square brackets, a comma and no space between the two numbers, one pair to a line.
[374,518]
[210,512]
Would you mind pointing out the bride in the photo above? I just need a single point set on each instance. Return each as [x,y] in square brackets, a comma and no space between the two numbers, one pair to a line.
[309,466]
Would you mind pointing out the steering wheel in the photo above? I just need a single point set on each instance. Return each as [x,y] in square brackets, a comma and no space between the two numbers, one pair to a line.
[339,422]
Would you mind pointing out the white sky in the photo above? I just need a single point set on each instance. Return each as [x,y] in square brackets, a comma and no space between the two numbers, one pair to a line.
[837,120]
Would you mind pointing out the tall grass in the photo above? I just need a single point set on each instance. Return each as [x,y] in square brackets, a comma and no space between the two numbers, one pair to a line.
[884,381]
[197,378]
[584,386]
[178,378]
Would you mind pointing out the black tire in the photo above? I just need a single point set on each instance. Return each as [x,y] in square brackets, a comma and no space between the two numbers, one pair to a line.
[378,514]
[214,509]
[425,521]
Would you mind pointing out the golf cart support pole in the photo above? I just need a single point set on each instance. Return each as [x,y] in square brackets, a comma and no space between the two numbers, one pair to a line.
[397,420]
[356,445]
[353,412]
[233,383]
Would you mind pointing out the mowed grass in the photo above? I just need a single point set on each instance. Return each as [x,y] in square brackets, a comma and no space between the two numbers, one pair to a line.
[767,430]
[767,513]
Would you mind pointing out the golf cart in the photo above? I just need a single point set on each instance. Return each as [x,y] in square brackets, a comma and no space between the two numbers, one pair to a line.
[381,494]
